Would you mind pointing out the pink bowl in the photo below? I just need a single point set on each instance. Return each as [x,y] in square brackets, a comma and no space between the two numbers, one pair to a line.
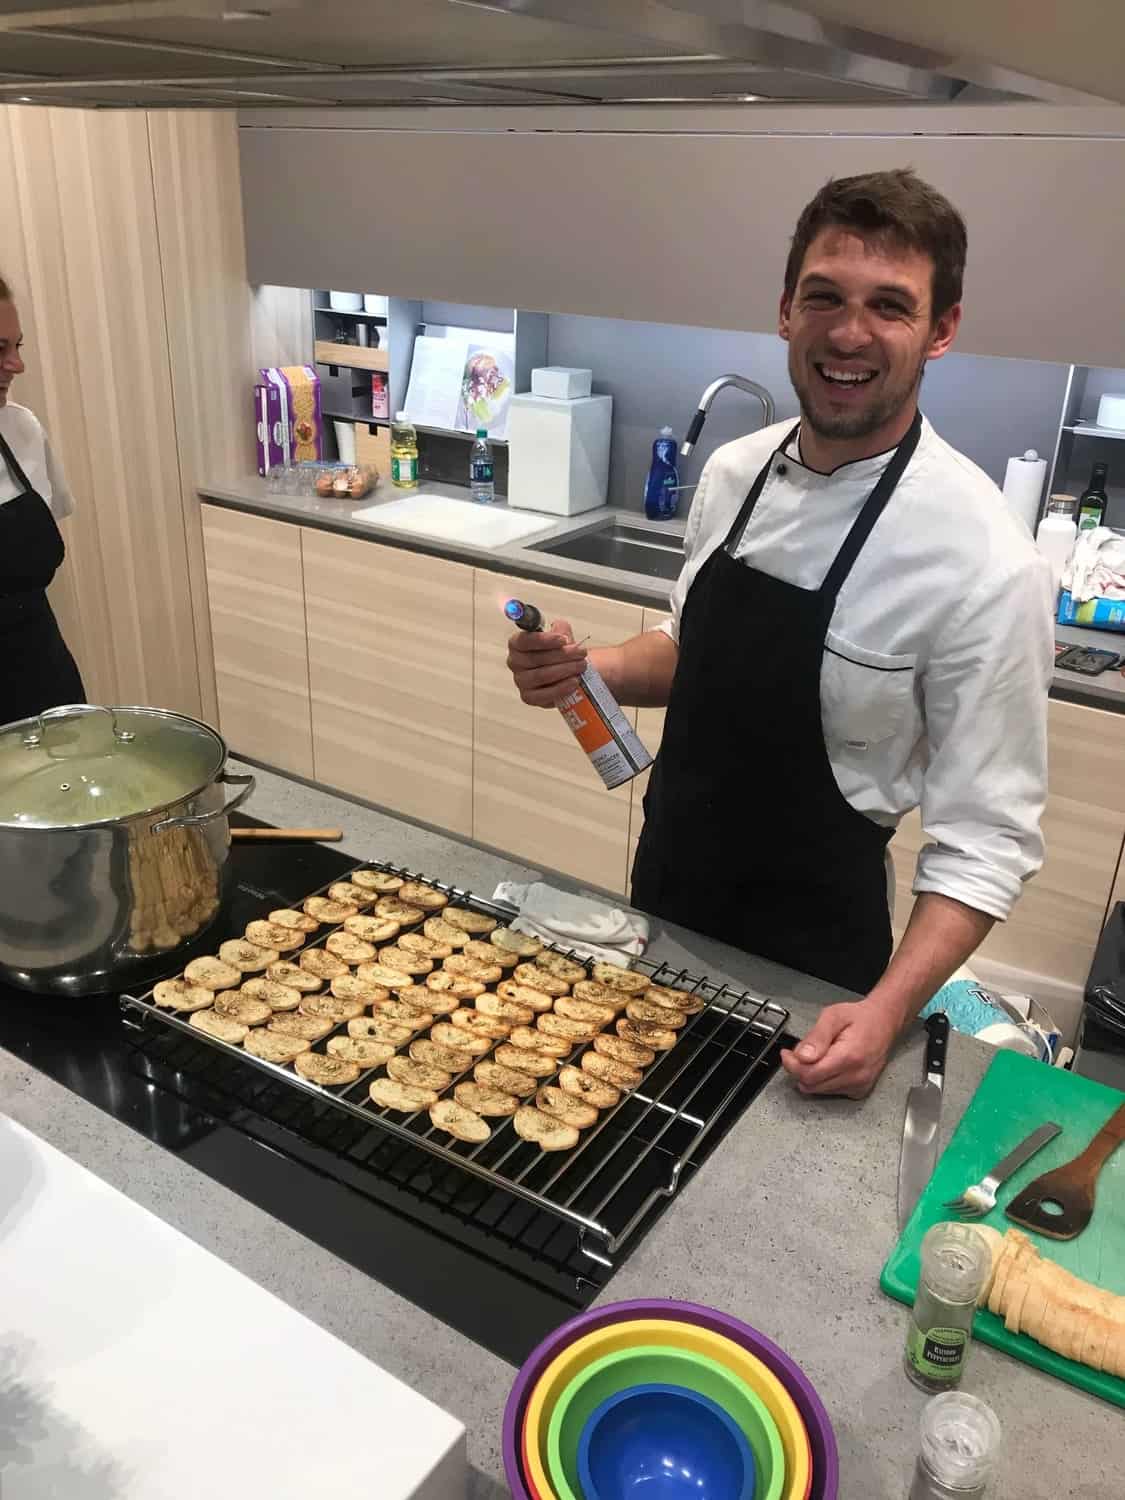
[822,1439]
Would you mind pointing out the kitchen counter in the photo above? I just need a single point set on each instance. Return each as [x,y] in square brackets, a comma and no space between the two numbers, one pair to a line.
[786,1226]
[253,495]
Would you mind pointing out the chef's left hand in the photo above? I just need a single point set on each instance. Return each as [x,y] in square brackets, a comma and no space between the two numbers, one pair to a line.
[845,1051]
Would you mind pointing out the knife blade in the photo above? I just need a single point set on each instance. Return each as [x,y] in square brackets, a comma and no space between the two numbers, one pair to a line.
[923,1116]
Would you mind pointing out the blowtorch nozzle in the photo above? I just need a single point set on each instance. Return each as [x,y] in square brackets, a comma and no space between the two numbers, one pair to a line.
[523,616]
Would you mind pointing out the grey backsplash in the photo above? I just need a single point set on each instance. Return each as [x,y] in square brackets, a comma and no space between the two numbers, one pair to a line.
[655,372]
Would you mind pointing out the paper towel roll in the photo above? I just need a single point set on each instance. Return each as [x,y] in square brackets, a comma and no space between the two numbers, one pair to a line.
[345,441]
[1023,486]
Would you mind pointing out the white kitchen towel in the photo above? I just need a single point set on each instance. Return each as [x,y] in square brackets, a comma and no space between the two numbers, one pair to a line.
[1096,569]
[604,933]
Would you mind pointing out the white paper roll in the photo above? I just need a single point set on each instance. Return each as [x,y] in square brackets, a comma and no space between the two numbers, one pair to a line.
[345,441]
[1023,486]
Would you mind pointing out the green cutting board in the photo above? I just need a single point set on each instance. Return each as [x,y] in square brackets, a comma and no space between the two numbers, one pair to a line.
[1016,1095]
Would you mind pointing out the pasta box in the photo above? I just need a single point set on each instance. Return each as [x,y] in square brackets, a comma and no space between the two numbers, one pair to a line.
[298,388]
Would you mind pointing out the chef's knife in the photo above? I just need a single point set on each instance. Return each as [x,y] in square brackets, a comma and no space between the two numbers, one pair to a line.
[923,1116]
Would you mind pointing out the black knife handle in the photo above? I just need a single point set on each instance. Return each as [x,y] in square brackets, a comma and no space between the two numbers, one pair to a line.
[937,1042]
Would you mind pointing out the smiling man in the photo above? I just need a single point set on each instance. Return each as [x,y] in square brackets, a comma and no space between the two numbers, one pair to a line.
[860,628]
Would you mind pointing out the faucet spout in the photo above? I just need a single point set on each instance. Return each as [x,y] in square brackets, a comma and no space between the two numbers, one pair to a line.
[749,386]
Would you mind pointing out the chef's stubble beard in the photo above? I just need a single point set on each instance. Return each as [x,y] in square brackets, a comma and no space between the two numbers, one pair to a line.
[860,424]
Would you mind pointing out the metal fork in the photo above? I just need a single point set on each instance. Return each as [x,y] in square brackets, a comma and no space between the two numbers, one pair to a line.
[980,1199]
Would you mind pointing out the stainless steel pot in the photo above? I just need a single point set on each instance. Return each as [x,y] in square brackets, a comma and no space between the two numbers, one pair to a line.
[113,845]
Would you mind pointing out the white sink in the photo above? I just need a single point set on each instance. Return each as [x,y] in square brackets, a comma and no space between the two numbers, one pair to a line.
[455,520]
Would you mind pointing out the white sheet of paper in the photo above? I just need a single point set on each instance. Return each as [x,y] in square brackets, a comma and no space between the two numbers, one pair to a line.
[434,391]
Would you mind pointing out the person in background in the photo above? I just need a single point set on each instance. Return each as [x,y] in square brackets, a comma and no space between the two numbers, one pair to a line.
[37,670]
[860,628]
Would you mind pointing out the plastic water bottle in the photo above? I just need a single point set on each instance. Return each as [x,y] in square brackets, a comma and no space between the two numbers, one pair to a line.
[662,496]
[482,483]
[404,453]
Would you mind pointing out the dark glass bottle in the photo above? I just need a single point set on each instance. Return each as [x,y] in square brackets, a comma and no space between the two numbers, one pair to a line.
[1092,504]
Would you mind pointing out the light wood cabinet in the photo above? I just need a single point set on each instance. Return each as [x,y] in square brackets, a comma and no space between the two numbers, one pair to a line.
[1055,925]
[391,676]
[255,591]
[534,792]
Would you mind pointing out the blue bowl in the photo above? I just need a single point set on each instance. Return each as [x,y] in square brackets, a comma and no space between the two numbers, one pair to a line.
[665,1442]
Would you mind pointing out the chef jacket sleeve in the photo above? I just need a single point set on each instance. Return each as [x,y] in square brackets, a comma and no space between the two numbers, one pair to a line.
[985,703]
[62,501]
[694,532]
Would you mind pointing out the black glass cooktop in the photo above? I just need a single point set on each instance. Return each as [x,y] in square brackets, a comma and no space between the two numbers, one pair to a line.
[374,1201]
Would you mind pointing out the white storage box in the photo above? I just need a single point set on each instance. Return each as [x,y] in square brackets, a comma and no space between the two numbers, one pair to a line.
[558,453]
[562,382]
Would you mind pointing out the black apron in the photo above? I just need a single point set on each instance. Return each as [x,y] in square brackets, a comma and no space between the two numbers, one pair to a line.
[747,836]
[36,669]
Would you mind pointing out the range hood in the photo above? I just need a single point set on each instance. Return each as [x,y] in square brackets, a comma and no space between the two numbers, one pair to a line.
[394,53]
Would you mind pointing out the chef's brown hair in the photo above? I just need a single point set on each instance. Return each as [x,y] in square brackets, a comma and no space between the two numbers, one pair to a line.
[898,207]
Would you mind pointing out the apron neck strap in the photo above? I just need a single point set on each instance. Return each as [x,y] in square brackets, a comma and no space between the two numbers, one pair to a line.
[873,508]
[742,520]
[13,463]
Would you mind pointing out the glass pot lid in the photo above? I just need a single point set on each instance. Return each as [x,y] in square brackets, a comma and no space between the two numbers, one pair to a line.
[81,765]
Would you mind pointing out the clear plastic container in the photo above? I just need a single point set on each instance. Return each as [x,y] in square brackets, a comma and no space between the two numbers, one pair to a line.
[959,1448]
[955,1263]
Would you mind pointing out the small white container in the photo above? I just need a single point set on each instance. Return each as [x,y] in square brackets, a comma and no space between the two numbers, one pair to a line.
[1056,536]
[375,304]
[345,301]
[561,382]
[345,441]
[1111,410]
[558,453]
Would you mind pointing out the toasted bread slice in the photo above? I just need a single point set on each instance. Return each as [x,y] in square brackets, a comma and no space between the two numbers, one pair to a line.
[525,1061]
[346,946]
[472,922]
[308,1028]
[483,1025]
[524,994]
[244,1008]
[444,932]
[406,962]
[585,1086]
[472,968]
[564,1028]
[367,1051]
[600,994]
[456,1036]
[505,1010]
[377,880]
[213,974]
[609,1070]
[646,1034]
[449,1059]
[273,935]
[405,1098]
[461,1123]
[588,1011]
[295,977]
[324,909]
[349,894]
[277,996]
[249,958]
[488,953]
[561,966]
[427,947]
[621,979]
[331,1008]
[566,1107]
[483,1100]
[372,929]
[380,1029]
[420,1075]
[657,1015]
[398,911]
[297,921]
[271,1046]
[351,987]
[442,982]
[495,1075]
[537,1041]
[522,944]
[548,1132]
[327,1068]
[683,1000]
[418,894]
[630,1053]
[217,1025]
[178,994]
[404,1013]
[541,979]
[323,964]
[387,978]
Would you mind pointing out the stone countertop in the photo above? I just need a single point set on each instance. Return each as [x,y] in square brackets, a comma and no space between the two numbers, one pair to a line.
[786,1226]
[252,494]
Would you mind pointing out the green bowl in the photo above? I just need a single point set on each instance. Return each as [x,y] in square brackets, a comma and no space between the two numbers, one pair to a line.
[653,1365]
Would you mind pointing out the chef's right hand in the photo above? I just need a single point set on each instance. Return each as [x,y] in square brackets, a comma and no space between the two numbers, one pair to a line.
[546,665]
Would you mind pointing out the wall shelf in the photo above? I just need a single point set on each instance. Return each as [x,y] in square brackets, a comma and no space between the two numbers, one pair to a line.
[1072,462]
[1088,429]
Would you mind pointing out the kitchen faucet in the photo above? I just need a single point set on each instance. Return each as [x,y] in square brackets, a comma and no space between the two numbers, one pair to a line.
[709,395]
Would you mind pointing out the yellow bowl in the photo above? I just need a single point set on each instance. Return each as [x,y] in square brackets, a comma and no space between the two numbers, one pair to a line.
[676,1335]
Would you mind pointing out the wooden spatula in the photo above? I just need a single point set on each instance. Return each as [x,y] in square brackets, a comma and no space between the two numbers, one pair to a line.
[1060,1203]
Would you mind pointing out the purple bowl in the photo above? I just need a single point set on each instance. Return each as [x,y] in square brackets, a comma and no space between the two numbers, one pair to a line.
[822,1439]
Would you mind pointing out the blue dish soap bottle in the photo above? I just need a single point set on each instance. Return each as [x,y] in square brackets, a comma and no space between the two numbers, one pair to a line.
[662,496]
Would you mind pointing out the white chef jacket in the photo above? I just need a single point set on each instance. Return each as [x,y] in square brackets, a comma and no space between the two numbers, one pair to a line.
[25,436]
[934,680]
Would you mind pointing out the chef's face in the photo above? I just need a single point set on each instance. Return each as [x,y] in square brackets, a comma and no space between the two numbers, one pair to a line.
[860,329]
[11,337]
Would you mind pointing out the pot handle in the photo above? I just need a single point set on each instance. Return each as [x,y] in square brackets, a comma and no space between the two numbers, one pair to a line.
[197,820]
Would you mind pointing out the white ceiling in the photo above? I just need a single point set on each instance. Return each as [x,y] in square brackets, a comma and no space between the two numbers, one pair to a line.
[553,52]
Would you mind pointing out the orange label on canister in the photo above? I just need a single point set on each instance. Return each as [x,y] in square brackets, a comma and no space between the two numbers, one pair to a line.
[585,722]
